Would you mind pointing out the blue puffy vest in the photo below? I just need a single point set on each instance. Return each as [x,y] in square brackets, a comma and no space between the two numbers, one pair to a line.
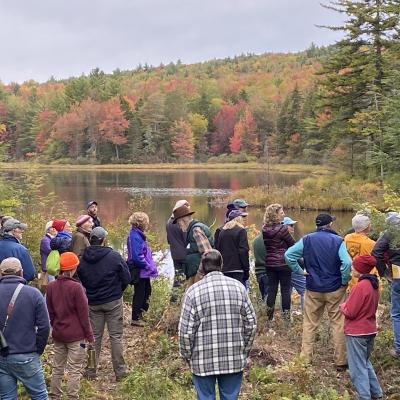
[321,260]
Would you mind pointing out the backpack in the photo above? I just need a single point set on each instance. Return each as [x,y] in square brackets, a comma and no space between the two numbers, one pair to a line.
[53,263]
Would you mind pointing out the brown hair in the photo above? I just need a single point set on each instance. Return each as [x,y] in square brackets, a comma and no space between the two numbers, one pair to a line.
[271,214]
[140,220]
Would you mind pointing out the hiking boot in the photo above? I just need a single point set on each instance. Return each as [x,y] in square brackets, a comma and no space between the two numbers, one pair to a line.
[119,378]
[342,368]
[89,374]
[137,323]
[394,353]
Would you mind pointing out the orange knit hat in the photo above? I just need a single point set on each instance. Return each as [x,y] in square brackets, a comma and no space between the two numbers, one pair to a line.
[68,261]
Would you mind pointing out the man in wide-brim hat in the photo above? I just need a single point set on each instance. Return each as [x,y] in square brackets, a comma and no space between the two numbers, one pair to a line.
[199,240]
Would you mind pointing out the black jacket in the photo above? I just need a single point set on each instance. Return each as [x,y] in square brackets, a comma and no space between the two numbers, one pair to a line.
[234,247]
[103,273]
[384,250]
[177,241]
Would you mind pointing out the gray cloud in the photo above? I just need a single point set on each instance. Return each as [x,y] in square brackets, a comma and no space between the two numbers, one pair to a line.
[64,38]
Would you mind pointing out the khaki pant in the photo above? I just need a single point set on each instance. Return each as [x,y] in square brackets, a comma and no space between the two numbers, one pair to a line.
[69,357]
[111,314]
[314,306]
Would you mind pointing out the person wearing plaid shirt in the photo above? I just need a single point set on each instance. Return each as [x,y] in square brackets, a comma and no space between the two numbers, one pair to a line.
[199,240]
[216,331]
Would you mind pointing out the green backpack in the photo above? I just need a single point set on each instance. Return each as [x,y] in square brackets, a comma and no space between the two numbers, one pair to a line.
[53,263]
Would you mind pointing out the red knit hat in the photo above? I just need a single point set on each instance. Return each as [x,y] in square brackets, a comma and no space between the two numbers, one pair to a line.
[59,224]
[364,264]
[68,261]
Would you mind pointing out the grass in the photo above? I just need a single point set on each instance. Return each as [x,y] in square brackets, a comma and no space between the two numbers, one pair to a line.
[289,168]
[329,193]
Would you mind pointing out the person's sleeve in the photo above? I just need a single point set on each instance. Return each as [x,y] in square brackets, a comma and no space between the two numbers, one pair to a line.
[82,308]
[292,256]
[137,246]
[244,253]
[249,324]
[354,304]
[42,323]
[125,275]
[49,303]
[345,268]
[381,246]
[45,247]
[216,238]
[288,238]
[27,265]
[187,329]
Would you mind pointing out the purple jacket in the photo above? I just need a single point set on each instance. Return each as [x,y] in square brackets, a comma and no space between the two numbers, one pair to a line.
[277,240]
[45,250]
[139,254]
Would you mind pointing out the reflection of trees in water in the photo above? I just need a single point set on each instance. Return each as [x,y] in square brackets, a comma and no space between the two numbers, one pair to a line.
[75,188]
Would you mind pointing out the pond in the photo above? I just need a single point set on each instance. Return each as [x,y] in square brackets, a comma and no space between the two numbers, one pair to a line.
[113,190]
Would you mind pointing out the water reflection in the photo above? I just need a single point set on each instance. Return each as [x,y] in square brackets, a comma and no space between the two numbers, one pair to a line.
[113,189]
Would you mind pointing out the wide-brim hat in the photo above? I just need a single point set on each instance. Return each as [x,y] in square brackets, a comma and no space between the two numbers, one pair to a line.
[180,212]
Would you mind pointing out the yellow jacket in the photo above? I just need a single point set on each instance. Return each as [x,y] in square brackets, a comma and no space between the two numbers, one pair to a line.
[359,244]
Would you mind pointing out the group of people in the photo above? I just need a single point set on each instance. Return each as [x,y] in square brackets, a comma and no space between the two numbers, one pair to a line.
[218,322]
[83,298]
[341,275]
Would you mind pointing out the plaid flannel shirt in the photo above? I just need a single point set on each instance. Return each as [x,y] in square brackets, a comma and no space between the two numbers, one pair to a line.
[217,326]
[203,245]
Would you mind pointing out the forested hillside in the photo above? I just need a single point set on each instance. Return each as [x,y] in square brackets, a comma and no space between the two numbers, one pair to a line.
[338,104]
[174,112]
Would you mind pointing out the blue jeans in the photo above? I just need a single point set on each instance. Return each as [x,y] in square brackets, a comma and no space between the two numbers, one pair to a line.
[228,384]
[25,368]
[263,285]
[395,312]
[362,374]
[299,283]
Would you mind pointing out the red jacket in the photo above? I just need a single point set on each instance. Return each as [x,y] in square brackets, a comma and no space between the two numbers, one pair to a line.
[360,307]
[68,310]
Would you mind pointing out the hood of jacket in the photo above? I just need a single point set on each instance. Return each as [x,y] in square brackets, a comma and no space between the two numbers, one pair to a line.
[93,254]
[373,279]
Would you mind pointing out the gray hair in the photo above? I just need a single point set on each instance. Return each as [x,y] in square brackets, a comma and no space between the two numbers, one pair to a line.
[212,261]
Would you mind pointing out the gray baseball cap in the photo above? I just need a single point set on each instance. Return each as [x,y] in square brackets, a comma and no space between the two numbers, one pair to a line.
[99,233]
[13,223]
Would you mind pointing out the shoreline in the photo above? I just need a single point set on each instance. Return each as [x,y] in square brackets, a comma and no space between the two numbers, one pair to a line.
[283,168]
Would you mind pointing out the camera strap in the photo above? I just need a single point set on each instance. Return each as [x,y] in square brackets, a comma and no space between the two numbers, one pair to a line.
[11,303]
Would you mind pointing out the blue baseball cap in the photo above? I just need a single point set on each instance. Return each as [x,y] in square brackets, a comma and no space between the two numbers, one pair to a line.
[288,221]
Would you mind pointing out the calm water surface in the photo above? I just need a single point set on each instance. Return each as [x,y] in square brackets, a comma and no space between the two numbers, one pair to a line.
[113,190]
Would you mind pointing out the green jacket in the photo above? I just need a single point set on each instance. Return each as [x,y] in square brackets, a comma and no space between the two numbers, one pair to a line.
[193,257]
[259,254]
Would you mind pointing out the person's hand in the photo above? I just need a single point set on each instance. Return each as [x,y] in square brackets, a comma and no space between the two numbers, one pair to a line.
[305,273]
[249,362]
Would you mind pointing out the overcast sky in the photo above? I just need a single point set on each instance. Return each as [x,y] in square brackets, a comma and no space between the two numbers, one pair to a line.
[40,38]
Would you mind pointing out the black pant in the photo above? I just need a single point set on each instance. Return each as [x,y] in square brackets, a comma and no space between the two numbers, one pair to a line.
[236,275]
[141,294]
[276,276]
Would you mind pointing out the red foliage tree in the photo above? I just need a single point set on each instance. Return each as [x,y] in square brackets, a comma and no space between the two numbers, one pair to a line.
[224,123]
[69,128]
[235,142]
[182,141]
[251,142]
[245,137]
[46,120]
[114,124]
